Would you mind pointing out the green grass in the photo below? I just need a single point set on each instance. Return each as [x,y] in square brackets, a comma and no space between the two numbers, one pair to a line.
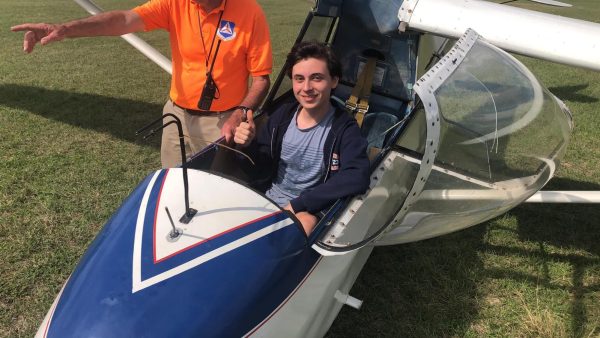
[68,157]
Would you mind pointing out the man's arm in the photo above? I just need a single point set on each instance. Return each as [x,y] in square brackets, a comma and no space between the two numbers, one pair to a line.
[111,23]
[256,93]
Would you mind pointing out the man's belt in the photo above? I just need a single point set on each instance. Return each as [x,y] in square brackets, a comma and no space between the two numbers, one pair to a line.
[196,112]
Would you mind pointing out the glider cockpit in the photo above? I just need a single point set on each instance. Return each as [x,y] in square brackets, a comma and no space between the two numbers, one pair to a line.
[389,95]
[473,137]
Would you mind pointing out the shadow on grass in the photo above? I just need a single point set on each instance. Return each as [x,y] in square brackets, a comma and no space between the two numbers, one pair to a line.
[573,227]
[429,288]
[115,116]
[423,289]
[571,93]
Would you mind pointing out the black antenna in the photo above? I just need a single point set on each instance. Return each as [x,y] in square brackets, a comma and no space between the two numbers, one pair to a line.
[175,233]
[189,212]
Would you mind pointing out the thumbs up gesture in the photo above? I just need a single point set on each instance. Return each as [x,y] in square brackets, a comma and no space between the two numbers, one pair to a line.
[245,132]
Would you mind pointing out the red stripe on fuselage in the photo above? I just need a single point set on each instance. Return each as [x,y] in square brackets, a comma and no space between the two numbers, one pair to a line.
[162,184]
[213,237]
[201,242]
[53,308]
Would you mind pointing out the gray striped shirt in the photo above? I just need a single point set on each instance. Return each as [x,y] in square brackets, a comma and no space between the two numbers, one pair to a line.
[301,161]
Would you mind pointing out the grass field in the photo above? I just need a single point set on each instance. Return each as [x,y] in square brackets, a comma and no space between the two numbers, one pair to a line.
[69,156]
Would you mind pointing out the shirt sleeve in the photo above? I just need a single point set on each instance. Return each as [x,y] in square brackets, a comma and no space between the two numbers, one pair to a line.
[155,14]
[260,56]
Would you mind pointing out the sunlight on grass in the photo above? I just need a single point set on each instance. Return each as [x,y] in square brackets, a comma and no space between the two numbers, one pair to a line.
[539,321]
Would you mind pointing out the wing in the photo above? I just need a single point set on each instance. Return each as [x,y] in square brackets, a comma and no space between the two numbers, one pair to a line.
[539,35]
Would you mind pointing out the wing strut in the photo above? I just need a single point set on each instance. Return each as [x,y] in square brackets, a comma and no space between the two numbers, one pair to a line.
[565,197]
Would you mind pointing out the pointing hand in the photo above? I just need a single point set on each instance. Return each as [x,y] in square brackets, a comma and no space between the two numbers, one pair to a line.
[39,32]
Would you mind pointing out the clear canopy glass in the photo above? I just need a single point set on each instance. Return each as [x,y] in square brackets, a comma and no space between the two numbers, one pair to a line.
[501,137]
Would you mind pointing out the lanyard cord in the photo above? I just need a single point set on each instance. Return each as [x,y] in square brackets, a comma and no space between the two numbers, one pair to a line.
[207,57]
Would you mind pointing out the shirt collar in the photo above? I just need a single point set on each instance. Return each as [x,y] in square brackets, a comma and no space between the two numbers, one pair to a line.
[217,9]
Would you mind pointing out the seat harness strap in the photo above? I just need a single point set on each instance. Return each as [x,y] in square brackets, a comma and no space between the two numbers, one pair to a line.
[358,102]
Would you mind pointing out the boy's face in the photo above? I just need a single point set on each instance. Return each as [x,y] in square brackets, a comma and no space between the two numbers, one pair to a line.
[312,83]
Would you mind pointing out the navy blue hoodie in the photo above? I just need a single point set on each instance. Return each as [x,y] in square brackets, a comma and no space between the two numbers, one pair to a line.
[346,170]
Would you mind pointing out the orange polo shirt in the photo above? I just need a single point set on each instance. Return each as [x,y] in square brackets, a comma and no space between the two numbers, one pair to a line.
[245,48]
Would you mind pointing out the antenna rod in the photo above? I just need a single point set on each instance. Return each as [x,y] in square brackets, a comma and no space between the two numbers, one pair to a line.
[175,233]
[189,212]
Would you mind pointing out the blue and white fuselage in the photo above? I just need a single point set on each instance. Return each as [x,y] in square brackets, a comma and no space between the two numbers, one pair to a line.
[235,264]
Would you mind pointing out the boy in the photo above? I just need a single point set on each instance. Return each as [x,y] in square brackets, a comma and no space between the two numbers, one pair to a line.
[314,152]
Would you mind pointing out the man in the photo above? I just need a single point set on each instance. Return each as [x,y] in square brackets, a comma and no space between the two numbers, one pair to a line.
[232,34]
[315,152]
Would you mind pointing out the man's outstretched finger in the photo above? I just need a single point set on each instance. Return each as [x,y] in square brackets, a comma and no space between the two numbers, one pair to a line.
[29,41]
[22,27]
